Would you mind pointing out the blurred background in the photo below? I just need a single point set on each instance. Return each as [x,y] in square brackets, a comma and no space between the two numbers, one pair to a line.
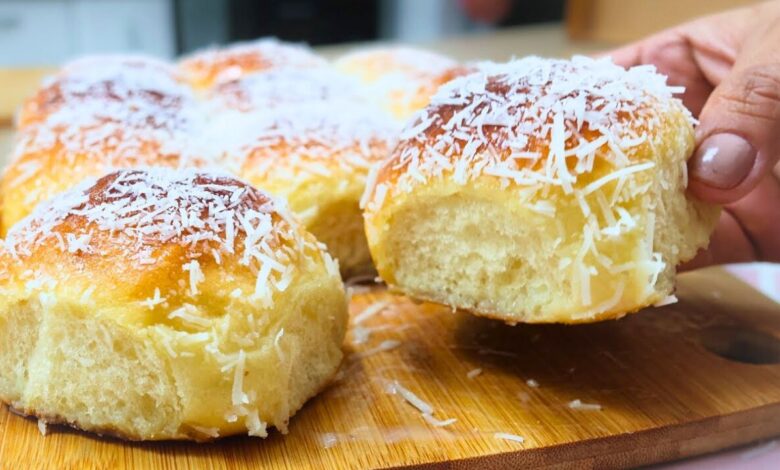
[47,32]
[38,35]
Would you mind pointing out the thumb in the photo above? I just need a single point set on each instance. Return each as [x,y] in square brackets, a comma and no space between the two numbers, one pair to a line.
[738,136]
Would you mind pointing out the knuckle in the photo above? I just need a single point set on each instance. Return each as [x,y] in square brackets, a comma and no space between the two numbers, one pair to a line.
[755,92]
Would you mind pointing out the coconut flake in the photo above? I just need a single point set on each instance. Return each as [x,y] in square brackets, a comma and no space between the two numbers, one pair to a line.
[386,345]
[196,275]
[668,300]
[422,406]
[509,437]
[579,405]
[42,428]
[430,419]
[370,311]
[207,431]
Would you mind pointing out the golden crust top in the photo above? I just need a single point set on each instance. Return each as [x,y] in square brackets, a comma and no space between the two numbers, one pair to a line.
[210,67]
[374,64]
[531,122]
[309,139]
[132,220]
[282,86]
[98,114]
[402,78]
[109,108]
[144,81]
[138,209]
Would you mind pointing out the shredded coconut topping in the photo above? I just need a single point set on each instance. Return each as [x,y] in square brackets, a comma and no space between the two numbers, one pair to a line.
[285,86]
[99,77]
[220,65]
[112,109]
[406,60]
[306,137]
[399,77]
[140,209]
[532,121]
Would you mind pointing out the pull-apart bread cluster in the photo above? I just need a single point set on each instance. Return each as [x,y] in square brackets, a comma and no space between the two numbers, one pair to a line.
[149,290]
[176,234]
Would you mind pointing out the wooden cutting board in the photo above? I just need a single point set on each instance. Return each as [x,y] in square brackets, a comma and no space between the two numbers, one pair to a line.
[671,382]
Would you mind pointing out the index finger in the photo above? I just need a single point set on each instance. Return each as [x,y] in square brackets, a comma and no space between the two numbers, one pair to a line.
[671,52]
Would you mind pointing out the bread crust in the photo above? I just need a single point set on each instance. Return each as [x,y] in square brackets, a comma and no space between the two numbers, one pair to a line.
[209,67]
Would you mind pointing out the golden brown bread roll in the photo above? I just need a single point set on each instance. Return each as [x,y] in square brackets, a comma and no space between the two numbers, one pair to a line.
[317,156]
[97,114]
[207,68]
[540,191]
[107,77]
[283,86]
[161,304]
[400,79]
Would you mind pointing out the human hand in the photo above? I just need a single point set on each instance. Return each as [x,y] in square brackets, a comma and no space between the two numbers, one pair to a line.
[729,65]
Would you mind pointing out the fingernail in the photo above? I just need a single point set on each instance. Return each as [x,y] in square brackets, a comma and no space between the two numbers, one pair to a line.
[722,161]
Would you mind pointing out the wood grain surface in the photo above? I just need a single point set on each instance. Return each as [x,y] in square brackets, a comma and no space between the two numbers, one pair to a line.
[672,382]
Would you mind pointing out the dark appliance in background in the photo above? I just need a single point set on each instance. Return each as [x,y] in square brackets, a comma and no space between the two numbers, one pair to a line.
[202,23]
[313,21]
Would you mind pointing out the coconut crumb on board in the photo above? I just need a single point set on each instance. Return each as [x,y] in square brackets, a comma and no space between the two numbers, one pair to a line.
[430,419]
[386,345]
[426,409]
[42,427]
[668,300]
[509,437]
[329,440]
[579,405]
[370,311]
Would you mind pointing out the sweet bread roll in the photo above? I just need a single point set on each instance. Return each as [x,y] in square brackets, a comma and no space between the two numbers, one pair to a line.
[400,79]
[99,114]
[317,156]
[284,86]
[540,191]
[159,304]
[100,77]
[210,67]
